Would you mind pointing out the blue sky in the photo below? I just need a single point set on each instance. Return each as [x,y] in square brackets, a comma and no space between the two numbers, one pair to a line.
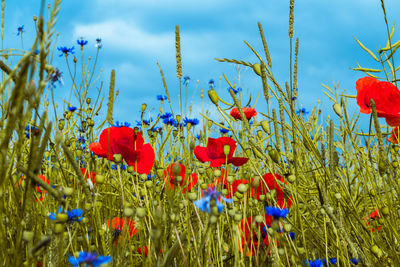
[137,34]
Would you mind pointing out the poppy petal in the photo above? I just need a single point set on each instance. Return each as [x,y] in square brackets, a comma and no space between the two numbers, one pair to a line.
[237,161]
[97,149]
[201,153]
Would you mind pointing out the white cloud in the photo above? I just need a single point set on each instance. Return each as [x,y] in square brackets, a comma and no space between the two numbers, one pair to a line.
[121,35]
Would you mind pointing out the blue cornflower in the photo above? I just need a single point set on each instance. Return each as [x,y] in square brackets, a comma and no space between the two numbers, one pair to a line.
[332,261]
[302,111]
[162,97]
[156,129]
[81,140]
[75,215]
[169,121]
[20,30]
[55,77]
[211,83]
[89,258]
[65,50]
[315,263]
[186,80]
[120,124]
[277,212]
[235,90]
[223,130]
[180,125]
[113,167]
[166,115]
[354,261]
[98,43]
[81,42]
[31,130]
[145,122]
[204,203]
[294,98]
[71,108]
[199,137]
[193,122]
[292,235]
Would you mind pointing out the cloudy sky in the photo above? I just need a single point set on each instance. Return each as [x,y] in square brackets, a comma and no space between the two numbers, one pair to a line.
[138,33]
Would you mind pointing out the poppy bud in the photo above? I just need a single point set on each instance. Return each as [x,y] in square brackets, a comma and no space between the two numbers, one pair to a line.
[90,122]
[128,212]
[88,100]
[376,250]
[144,106]
[385,211]
[291,178]
[149,184]
[230,179]
[212,94]
[265,127]
[217,173]
[174,133]
[27,236]
[259,219]
[60,126]
[203,186]
[257,69]
[141,212]
[68,191]
[209,123]
[75,60]
[237,217]
[287,227]
[192,196]
[275,224]
[100,179]
[338,109]
[242,188]
[58,228]
[62,217]
[117,158]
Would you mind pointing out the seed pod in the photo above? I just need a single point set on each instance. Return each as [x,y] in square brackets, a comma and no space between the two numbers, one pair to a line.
[291,178]
[265,127]
[338,109]
[231,213]
[376,250]
[88,100]
[287,227]
[212,94]
[274,154]
[257,69]
[213,219]
[160,172]
[203,186]
[238,195]
[149,184]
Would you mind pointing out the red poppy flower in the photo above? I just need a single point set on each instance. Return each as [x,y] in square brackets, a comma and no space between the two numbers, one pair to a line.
[188,182]
[38,187]
[268,182]
[249,236]
[119,225]
[233,188]
[214,152]
[145,250]
[248,112]
[394,138]
[385,95]
[128,143]
[88,175]
[373,217]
